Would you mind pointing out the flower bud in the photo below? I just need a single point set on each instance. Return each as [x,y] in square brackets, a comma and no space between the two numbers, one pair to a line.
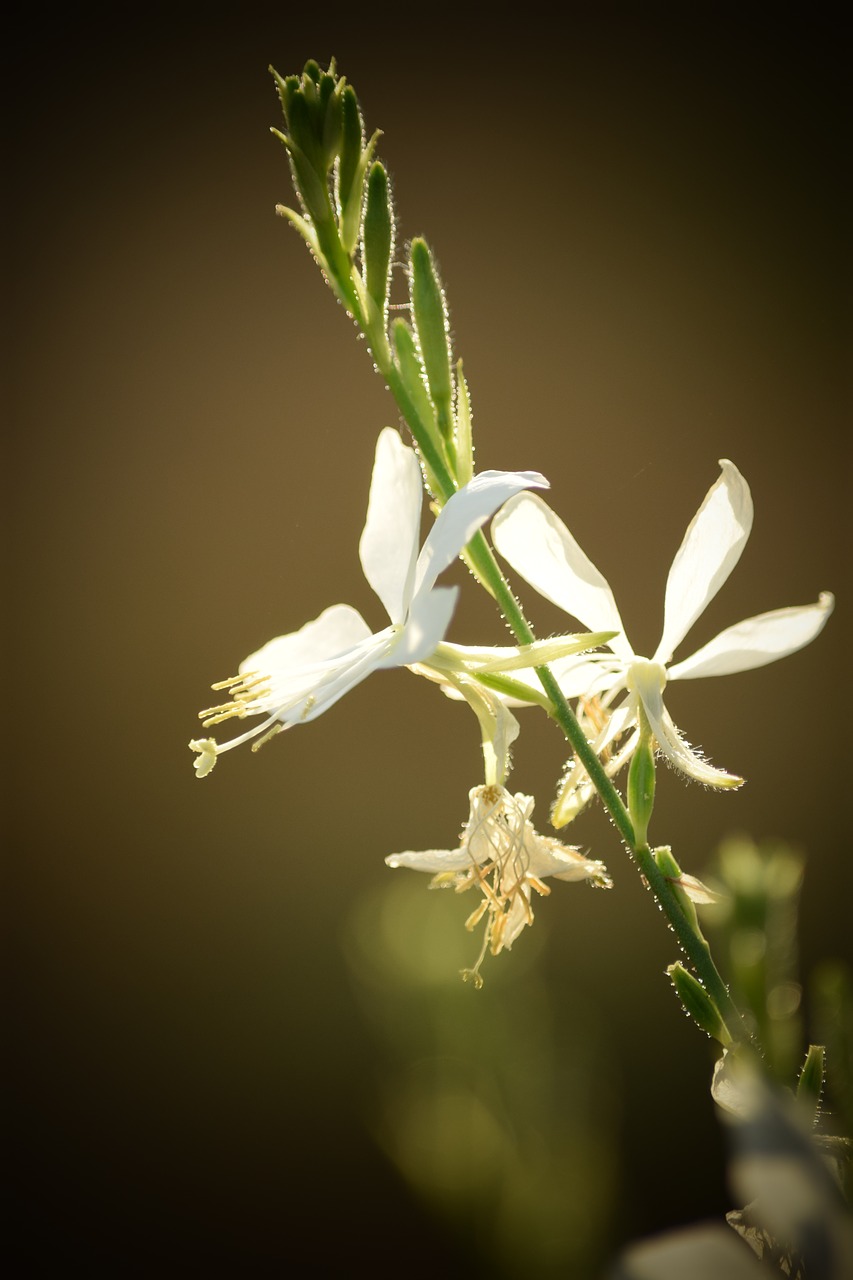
[429,312]
[641,788]
[698,1003]
[378,238]
[412,374]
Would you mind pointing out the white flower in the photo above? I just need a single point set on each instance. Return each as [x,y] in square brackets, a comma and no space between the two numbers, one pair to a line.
[297,677]
[540,547]
[505,857]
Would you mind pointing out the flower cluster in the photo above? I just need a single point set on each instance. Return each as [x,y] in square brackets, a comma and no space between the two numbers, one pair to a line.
[346,217]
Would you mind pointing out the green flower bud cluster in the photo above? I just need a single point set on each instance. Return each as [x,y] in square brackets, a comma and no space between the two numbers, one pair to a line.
[347,219]
[329,161]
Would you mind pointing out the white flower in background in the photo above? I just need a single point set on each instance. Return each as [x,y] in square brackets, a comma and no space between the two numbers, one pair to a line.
[297,677]
[502,854]
[539,546]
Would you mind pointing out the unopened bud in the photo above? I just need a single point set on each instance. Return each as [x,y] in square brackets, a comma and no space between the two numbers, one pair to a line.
[641,788]
[698,1003]
[429,312]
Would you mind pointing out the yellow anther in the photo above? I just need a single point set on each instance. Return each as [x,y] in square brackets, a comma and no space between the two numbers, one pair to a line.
[246,679]
[226,684]
[270,733]
[477,915]
[229,711]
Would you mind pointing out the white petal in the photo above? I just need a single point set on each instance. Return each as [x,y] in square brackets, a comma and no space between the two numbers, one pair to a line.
[429,618]
[337,629]
[538,545]
[462,515]
[677,751]
[340,675]
[757,641]
[711,548]
[307,671]
[389,543]
[434,861]
[551,858]
[519,915]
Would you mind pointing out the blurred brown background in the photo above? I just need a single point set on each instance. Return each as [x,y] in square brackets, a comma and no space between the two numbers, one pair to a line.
[638,217]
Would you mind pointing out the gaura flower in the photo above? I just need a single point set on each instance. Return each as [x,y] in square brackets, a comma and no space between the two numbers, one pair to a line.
[502,854]
[297,677]
[540,547]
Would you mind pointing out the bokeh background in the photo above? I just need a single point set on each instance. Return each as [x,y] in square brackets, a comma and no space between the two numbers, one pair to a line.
[237,1039]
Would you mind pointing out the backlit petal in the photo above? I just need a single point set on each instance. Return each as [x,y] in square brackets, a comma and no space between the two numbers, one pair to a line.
[306,672]
[757,641]
[429,618]
[389,543]
[435,861]
[462,516]
[538,545]
[711,548]
[336,630]
[551,858]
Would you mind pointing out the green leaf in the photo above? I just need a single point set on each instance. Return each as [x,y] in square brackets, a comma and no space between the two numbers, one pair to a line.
[378,237]
[429,313]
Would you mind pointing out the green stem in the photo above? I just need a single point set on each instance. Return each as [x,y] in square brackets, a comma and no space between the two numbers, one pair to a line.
[483,562]
[693,945]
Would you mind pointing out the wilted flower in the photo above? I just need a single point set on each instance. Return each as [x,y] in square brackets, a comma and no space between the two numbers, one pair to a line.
[540,547]
[502,854]
[297,677]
